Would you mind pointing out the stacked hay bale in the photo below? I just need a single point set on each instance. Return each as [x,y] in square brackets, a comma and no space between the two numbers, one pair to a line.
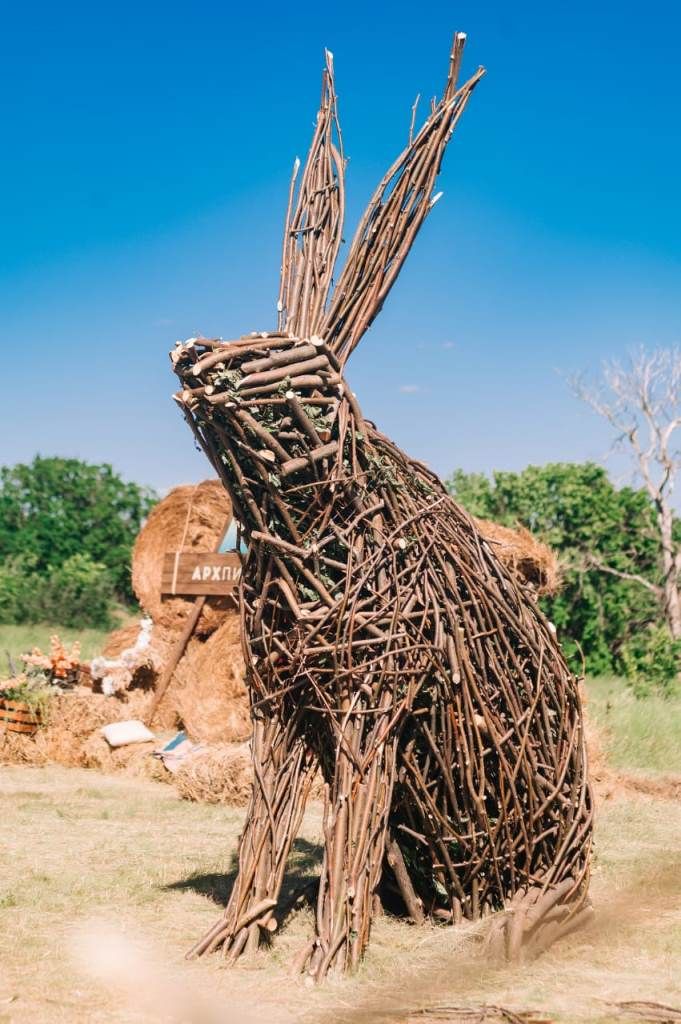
[191,517]
[208,692]
[71,736]
[528,558]
[206,695]
[222,774]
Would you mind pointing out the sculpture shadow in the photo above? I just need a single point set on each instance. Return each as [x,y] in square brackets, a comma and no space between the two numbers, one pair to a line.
[300,883]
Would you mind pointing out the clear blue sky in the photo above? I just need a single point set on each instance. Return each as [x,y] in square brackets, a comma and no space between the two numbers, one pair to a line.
[146,156]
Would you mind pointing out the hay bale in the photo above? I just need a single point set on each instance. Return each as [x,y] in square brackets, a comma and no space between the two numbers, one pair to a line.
[206,695]
[72,719]
[135,760]
[208,690]
[529,558]
[221,775]
[189,518]
[18,748]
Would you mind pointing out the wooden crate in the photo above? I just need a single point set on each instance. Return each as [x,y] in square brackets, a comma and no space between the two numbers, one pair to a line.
[17,716]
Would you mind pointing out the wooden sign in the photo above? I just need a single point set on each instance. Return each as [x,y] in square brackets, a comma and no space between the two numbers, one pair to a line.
[202,574]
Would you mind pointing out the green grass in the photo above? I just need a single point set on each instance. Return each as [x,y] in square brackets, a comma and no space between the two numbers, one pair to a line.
[641,735]
[18,640]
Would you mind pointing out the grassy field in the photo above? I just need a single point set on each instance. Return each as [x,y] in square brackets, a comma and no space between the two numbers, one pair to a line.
[639,735]
[17,640]
[107,880]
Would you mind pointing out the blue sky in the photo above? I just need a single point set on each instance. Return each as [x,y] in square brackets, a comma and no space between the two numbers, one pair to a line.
[147,151]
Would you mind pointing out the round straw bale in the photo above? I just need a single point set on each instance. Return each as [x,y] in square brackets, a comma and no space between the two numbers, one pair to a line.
[189,518]
[208,690]
[529,558]
[220,775]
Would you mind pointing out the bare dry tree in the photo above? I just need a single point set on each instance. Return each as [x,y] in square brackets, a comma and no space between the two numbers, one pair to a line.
[641,400]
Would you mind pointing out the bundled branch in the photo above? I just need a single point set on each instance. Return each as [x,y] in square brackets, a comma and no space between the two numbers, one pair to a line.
[384,641]
[392,647]
[312,232]
[394,215]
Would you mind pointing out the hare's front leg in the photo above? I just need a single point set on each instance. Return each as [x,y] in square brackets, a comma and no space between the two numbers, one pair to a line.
[355,827]
[282,769]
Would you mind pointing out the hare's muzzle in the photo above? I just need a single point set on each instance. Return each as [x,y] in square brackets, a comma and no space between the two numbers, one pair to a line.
[273,396]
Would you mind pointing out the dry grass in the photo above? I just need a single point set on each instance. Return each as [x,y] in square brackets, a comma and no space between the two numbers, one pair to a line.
[132,855]
[524,554]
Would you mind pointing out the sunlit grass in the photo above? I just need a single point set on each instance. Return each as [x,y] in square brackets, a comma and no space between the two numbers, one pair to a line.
[640,735]
[17,640]
[129,854]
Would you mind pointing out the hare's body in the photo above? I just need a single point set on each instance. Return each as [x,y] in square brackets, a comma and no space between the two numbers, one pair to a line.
[385,644]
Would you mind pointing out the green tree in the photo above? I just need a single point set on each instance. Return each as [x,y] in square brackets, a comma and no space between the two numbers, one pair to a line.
[591,524]
[79,593]
[641,400]
[54,509]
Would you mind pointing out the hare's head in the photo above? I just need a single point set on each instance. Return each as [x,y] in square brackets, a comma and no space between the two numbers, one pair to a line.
[272,410]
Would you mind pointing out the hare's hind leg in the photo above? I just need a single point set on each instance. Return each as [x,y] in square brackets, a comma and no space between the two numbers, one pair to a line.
[355,827]
[536,918]
[282,768]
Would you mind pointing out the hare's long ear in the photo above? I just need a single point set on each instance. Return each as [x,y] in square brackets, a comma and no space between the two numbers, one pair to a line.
[393,217]
[314,222]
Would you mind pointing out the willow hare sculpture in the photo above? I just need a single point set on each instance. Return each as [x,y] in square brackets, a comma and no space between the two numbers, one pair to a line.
[385,644]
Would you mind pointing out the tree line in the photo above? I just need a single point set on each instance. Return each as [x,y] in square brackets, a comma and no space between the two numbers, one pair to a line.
[607,543]
[67,529]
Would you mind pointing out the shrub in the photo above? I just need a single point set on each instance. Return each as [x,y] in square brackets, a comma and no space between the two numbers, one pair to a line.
[651,660]
[578,511]
[17,589]
[79,592]
[55,508]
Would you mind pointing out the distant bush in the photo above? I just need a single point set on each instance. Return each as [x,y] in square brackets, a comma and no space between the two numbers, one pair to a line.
[79,592]
[53,509]
[17,588]
[651,660]
[578,511]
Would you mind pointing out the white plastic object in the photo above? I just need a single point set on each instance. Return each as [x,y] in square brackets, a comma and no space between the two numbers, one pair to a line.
[120,734]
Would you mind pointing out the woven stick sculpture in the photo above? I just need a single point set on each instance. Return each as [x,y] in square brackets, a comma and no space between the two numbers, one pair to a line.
[384,642]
